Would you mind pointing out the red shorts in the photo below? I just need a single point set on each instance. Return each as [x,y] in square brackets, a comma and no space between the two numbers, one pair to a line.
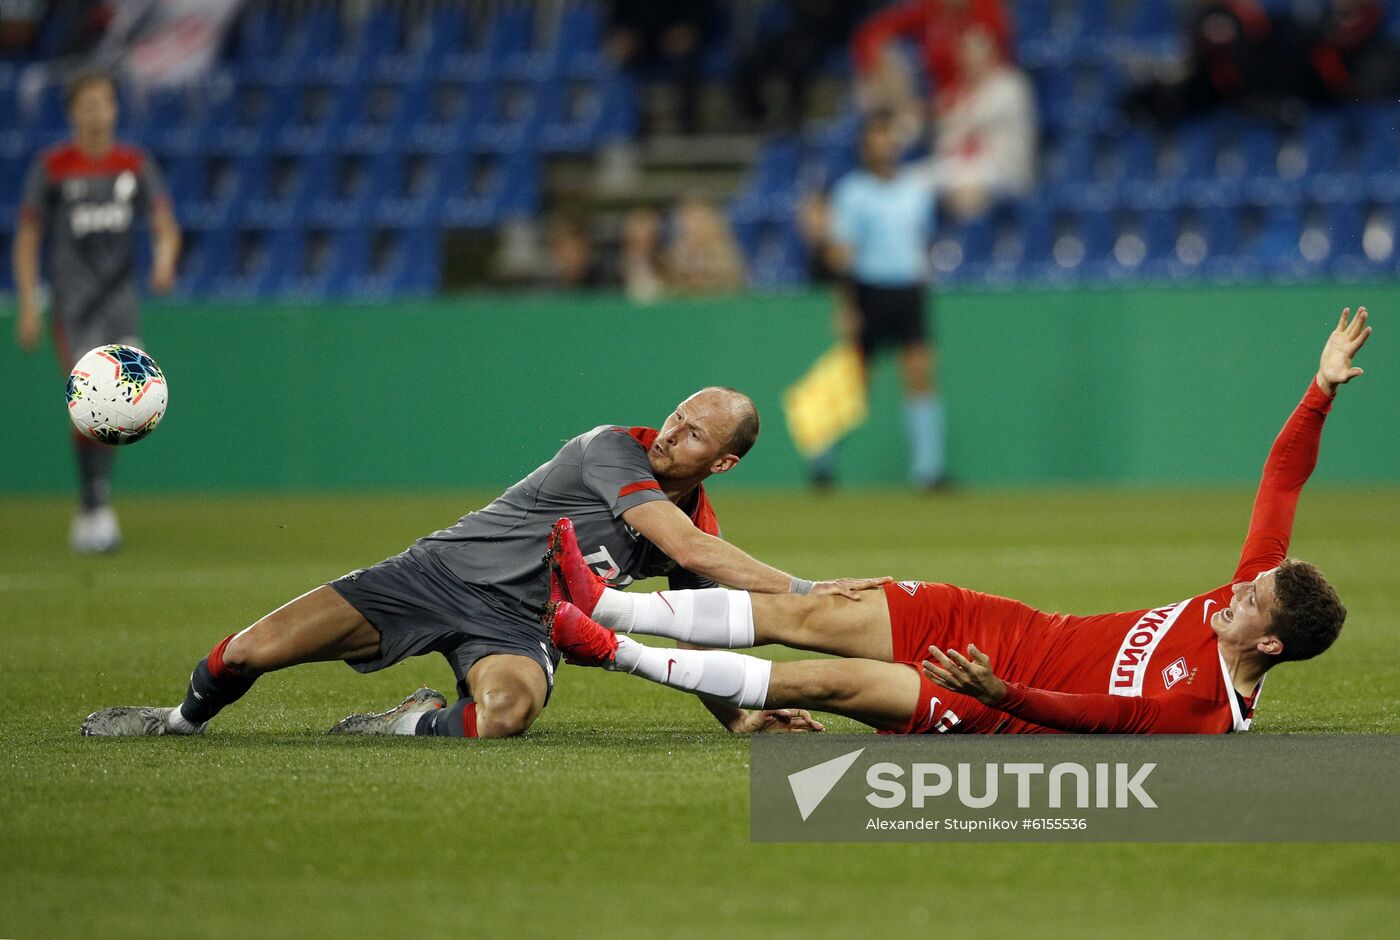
[923,614]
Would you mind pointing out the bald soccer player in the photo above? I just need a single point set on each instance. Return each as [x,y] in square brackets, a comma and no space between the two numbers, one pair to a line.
[475,592]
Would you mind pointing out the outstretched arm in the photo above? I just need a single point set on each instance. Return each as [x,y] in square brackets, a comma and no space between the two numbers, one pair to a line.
[1076,713]
[1294,454]
[671,530]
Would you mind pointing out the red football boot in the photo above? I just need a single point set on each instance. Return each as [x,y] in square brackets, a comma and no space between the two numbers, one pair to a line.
[580,585]
[582,641]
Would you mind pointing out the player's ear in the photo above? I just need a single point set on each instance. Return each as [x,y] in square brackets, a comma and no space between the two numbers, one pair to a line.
[1270,646]
[724,464]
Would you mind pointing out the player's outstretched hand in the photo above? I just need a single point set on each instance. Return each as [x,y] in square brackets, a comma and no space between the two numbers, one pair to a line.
[1336,368]
[774,720]
[849,587]
[971,675]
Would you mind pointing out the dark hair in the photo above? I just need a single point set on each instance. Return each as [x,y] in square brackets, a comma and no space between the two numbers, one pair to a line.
[81,80]
[745,423]
[1307,613]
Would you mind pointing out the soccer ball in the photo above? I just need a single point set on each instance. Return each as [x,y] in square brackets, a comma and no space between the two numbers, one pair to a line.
[116,394]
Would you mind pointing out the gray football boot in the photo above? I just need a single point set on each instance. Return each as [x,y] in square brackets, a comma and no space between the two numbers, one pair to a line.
[424,700]
[132,721]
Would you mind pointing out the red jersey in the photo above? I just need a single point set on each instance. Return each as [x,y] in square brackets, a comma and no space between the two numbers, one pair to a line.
[1145,671]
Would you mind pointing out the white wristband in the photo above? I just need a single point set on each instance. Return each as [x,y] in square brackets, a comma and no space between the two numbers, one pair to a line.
[800,586]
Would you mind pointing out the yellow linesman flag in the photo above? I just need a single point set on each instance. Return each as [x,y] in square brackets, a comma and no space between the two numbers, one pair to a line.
[828,402]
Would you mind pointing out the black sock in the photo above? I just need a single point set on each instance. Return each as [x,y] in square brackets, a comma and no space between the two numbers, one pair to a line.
[459,721]
[94,473]
[213,686]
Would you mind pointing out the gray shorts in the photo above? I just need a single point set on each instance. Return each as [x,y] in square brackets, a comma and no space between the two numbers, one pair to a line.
[418,606]
[115,322]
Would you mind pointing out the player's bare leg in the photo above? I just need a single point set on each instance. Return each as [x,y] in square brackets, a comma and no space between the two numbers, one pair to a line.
[882,695]
[826,624]
[508,692]
[320,625]
[316,627]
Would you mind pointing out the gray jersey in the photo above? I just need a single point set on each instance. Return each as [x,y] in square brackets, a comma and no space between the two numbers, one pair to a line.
[594,479]
[87,207]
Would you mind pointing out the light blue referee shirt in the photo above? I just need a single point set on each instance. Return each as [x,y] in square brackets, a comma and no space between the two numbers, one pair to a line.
[887,225]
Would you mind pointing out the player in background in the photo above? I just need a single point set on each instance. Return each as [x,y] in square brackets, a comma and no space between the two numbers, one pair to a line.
[1189,667]
[475,592]
[881,222]
[83,196]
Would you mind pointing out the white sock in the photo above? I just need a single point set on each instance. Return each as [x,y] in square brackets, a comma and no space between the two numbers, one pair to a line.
[407,723]
[707,617]
[731,677]
[179,724]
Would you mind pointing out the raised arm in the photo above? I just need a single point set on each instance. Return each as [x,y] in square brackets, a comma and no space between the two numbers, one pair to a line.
[1294,454]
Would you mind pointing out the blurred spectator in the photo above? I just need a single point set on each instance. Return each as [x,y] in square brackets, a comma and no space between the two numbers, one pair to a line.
[985,130]
[1344,52]
[1230,44]
[672,33]
[812,31]
[702,256]
[573,262]
[1241,54]
[641,255]
[937,27]
[881,220]
[19,25]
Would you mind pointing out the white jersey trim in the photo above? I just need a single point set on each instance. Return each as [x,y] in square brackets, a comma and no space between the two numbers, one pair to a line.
[1130,664]
[1237,720]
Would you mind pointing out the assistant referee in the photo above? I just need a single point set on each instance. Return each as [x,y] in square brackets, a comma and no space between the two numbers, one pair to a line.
[881,223]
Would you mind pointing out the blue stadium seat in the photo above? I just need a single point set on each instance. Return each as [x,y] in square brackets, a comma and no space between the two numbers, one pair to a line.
[1344,223]
[378,37]
[776,255]
[390,112]
[302,42]
[503,48]
[513,117]
[259,32]
[483,189]
[206,252]
[577,49]
[454,110]
[426,39]
[1150,26]
[1066,159]
[1274,239]
[584,115]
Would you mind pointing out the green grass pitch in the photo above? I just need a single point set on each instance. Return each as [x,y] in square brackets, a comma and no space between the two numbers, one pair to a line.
[625,810]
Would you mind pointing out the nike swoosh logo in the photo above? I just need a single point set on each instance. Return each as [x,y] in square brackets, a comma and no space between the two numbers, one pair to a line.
[670,663]
[1206,615]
